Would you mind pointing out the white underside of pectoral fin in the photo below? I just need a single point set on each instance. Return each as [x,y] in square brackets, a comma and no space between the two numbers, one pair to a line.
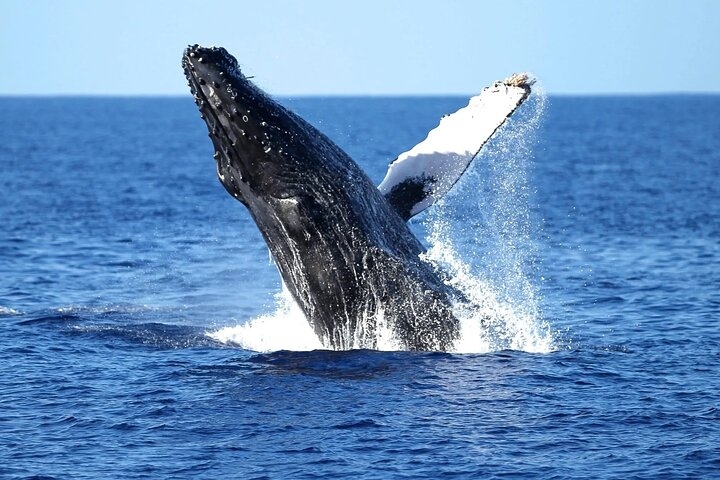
[426,172]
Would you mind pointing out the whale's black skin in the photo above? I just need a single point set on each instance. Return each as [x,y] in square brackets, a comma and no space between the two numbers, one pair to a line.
[347,257]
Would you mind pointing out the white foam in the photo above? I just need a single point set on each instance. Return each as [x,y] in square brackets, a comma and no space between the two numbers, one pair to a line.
[8,311]
[386,339]
[284,329]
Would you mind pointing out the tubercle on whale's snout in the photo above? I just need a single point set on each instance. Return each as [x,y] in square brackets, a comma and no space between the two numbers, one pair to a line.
[234,111]
[210,73]
[210,61]
[202,53]
[215,80]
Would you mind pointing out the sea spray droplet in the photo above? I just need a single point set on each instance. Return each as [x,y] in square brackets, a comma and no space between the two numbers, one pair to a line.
[489,250]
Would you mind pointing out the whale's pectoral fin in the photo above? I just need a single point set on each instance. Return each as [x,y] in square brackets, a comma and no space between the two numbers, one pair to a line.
[423,174]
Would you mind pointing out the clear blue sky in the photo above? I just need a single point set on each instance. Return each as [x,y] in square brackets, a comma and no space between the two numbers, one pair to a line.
[295,47]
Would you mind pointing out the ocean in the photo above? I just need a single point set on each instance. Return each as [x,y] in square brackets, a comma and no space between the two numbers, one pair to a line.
[144,332]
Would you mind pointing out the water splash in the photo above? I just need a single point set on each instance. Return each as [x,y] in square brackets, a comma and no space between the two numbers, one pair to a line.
[485,242]
[284,329]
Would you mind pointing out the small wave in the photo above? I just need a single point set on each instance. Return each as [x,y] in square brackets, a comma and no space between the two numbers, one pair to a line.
[55,318]
[344,364]
[83,314]
[135,324]
[355,424]
[8,312]
[111,309]
[157,335]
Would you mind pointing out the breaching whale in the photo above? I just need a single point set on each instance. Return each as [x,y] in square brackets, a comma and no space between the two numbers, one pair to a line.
[341,244]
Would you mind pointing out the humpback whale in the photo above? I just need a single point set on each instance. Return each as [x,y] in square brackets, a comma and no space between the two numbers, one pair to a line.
[342,245]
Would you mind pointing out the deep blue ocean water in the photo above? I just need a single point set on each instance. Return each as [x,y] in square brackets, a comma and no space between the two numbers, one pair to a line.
[120,252]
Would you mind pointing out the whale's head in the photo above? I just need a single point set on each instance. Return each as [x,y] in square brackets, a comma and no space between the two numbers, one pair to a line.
[258,143]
